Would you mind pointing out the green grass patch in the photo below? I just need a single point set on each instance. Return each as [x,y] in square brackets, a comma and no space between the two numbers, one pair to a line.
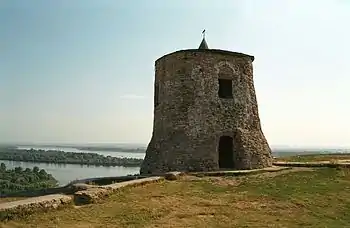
[323,195]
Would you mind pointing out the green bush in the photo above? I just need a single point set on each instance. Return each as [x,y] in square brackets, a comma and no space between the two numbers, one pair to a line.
[17,179]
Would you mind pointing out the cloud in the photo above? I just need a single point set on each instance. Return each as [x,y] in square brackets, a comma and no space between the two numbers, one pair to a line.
[132,96]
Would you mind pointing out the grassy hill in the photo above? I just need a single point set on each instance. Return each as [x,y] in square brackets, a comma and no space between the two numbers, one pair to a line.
[300,197]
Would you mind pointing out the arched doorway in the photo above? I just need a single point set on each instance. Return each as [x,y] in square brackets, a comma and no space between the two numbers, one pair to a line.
[225,150]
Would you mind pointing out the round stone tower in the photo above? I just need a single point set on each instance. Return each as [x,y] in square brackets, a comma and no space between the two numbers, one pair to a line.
[205,114]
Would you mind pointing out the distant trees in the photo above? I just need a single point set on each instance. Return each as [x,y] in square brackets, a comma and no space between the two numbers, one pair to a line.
[2,167]
[35,169]
[18,169]
[112,149]
[17,179]
[61,157]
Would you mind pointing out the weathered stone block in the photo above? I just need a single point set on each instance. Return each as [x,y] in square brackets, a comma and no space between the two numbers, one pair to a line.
[172,175]
[90,195]
[95,194]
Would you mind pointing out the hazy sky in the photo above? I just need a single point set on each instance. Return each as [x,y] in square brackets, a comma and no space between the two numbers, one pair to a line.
[82,71]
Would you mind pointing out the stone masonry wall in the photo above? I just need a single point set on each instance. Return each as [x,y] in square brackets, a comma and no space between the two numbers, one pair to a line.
[190,118]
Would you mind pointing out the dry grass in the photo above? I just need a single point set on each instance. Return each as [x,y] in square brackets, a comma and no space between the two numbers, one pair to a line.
[317,157]
[308,198]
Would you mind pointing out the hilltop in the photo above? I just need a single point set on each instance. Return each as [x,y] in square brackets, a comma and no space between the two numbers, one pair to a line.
[297,197]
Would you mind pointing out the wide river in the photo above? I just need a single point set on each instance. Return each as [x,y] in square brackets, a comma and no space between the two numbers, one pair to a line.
[65,173]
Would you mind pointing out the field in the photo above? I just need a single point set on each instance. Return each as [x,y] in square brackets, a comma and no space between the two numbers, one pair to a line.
[317,157]
[300,197]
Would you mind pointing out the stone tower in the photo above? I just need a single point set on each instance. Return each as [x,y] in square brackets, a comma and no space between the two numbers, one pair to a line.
[205,114]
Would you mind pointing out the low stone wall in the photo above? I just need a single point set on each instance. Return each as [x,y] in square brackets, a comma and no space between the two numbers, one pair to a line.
[94,194]
[314,164]
[106,180]
[71,188]
[21,208]
[34,193]
[83,193]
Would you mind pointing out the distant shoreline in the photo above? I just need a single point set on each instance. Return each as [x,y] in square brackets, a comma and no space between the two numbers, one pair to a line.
[139,149]
[113,149]
[143,149]
[62,157]
[90,148]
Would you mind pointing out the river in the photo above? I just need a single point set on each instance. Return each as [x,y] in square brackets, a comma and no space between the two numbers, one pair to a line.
[64,173]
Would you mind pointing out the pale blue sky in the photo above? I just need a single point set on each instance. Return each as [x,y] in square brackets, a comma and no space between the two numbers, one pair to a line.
[82,71]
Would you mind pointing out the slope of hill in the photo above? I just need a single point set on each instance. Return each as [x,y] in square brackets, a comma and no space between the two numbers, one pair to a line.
[300,197]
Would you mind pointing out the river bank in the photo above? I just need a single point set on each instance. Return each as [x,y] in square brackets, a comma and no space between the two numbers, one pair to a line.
[65,173]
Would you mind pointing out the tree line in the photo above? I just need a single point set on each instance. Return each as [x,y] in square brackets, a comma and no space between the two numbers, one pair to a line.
[19,179]
[112,149]
[62,157]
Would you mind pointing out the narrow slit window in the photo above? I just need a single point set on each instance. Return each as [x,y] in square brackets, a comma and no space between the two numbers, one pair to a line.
[156,95]
[225,88]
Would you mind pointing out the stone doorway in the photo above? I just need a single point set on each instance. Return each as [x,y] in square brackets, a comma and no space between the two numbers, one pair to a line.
[225,150]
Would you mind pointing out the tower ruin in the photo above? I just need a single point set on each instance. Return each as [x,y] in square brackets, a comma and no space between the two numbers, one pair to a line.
[205,113]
